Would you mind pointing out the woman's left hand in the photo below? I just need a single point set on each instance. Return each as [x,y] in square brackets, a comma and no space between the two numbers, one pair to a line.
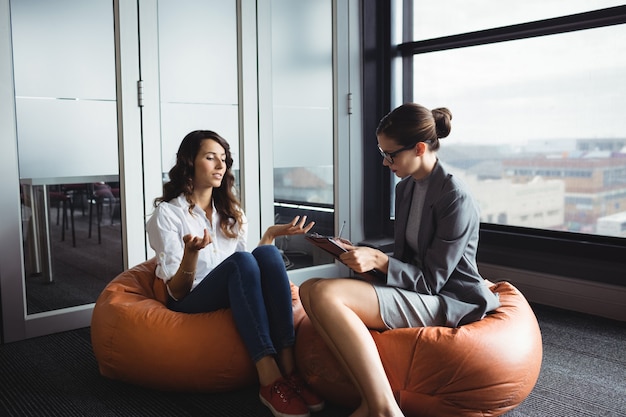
[297,226]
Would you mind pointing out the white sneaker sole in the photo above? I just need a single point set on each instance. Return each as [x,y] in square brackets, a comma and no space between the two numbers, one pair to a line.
[278,413]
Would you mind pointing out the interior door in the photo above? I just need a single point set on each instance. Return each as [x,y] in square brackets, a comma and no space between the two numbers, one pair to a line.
[66,159]
[189,72]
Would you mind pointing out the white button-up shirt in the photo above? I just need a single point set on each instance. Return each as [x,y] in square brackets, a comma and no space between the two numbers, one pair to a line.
[172,220]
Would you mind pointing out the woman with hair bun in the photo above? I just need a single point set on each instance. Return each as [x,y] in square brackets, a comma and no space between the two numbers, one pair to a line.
[432,279]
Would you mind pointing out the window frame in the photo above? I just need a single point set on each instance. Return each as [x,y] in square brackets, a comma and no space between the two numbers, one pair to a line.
[575,255]
[377,56]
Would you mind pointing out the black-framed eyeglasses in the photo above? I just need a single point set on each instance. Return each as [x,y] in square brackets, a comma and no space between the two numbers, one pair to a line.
[388,156]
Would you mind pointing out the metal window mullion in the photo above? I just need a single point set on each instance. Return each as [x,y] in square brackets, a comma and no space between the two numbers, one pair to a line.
[581,21]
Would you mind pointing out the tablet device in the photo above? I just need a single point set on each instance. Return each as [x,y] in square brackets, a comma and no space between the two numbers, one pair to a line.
[329,244]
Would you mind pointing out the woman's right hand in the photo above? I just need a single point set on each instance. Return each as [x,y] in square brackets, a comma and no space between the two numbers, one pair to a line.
[363,259]
[196,243]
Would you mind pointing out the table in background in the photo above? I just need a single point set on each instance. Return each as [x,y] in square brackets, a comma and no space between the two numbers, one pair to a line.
[36,190]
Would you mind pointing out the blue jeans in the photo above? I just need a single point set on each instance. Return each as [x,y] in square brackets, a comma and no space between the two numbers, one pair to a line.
[256,288]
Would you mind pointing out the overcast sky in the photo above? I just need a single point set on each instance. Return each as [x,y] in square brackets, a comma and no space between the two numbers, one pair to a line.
[571,85]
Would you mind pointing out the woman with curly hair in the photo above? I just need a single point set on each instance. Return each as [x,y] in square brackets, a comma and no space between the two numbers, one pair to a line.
[199,233]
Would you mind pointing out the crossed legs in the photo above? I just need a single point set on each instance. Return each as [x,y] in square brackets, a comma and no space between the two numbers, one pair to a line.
[256,288]
[343,311]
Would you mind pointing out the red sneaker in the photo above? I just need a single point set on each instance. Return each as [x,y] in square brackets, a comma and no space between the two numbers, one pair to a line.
[283,400]
[310,398]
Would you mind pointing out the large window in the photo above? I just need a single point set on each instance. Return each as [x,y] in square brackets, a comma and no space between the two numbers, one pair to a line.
[537,96]
[537,131]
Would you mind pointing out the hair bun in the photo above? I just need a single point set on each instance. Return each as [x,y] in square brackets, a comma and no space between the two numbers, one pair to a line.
[443,124]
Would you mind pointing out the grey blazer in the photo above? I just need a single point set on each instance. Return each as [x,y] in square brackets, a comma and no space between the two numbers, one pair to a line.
[447,245]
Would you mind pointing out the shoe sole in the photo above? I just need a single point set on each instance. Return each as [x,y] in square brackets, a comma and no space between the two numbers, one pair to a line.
[316,407]
[278,413]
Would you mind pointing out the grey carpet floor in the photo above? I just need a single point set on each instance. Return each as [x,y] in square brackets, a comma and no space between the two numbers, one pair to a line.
[584,367]
[583,371]
[583,374]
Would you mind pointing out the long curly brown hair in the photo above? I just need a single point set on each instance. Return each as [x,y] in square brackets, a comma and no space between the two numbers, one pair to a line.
[182,174]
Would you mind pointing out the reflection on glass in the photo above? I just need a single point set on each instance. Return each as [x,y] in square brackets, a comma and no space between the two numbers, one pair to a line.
[72,241]
[302,88]
[197,73]
[312,185]
[63,54]
[538,131]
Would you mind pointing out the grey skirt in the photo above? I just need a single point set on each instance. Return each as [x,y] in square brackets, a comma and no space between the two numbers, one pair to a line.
[400,308]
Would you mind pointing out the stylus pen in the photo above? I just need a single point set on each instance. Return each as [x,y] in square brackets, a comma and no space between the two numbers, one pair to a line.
[341,230]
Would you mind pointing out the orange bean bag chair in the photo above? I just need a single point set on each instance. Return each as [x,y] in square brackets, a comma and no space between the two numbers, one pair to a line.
[485,368]
[137,339]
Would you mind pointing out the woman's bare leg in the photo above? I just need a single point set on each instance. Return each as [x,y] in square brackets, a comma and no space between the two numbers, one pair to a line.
[304,297]
[343,311]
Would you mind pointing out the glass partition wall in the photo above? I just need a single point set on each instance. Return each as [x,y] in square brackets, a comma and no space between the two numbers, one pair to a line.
[68,163]
[202,85]
[303,123]
[276,105]
[98,96]
[66,114]
[197,73]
